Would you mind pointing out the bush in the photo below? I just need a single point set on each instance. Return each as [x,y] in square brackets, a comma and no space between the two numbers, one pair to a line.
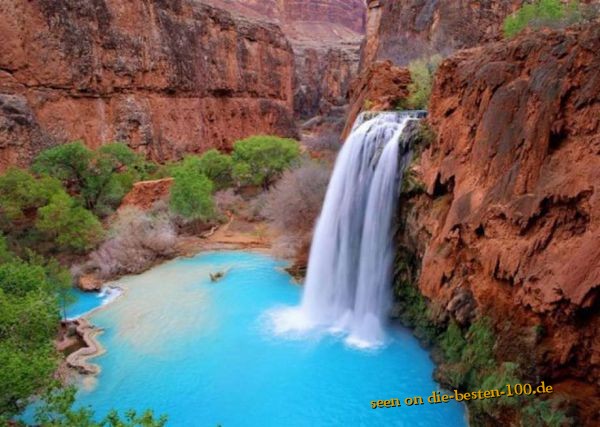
[57,411]
[422,72]
[453,343]
[542,13]
[497,380]
[28,322]
[545,413]
[260,160]
[294,204]
[68,224]
[101,178]
[191,195]
[21,194]
[217,167]
[137,240]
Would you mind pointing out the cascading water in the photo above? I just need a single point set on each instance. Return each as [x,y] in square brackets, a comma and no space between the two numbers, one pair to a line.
[349,271]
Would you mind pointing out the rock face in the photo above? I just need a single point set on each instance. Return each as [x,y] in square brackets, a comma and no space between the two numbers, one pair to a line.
[145,194]
[349,14]
[380,87]
[166,77]
[326,37]
[510,226]
[405,30]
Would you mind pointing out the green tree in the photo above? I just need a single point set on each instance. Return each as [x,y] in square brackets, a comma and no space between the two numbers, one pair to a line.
[71,226]
[101,178]
[21,194]
[217,167]
[191,194]
[260,160]
[28,322]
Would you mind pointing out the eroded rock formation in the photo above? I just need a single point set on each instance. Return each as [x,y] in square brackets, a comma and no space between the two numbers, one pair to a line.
[509,226]
[326,36]
[166,77]
[405,30]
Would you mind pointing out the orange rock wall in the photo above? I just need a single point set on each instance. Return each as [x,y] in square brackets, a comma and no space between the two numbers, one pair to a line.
[510,228]
[166,77]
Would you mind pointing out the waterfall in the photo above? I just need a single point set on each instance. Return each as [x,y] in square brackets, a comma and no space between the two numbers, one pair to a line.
[348,282]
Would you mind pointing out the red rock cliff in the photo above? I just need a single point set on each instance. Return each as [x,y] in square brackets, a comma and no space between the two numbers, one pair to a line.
[326,37]
[510,227]
[401,31]
[166,77]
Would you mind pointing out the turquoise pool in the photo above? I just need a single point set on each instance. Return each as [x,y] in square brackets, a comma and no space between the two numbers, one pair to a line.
[204,354]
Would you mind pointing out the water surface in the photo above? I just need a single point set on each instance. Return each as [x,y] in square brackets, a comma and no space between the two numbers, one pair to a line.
[204,353]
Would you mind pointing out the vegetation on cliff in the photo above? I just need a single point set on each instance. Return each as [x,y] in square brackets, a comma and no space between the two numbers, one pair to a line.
[546,13]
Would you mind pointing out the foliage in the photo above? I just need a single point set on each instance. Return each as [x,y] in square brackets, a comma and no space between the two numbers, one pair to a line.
[21,193]
[101,178]
[294,204]
[57,411]
[260,160]
[71,226]
[453,343]
[28,322]
[422,72]
[497,380]
[191,194]
[413,309]
[545,413]
[216,166]
[137,240]
[542,13]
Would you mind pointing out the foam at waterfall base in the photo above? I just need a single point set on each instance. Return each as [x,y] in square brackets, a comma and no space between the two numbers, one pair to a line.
[295,323]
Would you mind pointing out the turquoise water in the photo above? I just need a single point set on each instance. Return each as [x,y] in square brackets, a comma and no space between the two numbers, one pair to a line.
[204,354]
[84,302]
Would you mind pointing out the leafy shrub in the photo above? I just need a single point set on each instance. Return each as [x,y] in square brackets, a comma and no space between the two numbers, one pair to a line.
[191,194]
[57,411]
[21,194]
[260,160]
[453,343]
[68,224]
[217,167]
[497,380]
[137,240]
[101,178]
[542,13]
[295,202]
[422,72]
[28,322]
[545,413]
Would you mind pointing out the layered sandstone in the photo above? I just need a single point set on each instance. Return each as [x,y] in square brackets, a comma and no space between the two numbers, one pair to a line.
[509,227]
[382,86]
[166,77]
[405,30]
[326,36]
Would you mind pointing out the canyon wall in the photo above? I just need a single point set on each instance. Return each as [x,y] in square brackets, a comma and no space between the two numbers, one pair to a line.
[326,36]
[165,77]
[401,31]
[509,225]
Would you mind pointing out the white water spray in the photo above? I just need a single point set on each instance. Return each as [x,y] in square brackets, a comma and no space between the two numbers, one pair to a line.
[351,258]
